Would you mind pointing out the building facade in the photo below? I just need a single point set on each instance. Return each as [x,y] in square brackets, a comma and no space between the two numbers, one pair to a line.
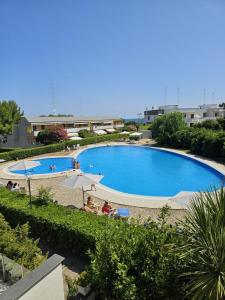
[25,133]
[191,115]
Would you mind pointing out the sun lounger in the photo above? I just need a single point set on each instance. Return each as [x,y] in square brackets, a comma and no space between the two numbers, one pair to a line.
[123,212]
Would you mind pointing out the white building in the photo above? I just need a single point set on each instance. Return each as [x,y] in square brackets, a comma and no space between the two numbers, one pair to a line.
[191,115]
[24,134]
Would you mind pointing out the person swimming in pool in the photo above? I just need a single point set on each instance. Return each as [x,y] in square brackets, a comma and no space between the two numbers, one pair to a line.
[52,167]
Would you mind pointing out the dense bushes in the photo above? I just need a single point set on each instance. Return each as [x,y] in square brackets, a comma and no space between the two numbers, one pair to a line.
[206,138]
[218,124]
[200,141]
[84,133]
[6,149]
[65,228]
[23,153]
[52,135]
[15,244]
[136,262]
[133,260]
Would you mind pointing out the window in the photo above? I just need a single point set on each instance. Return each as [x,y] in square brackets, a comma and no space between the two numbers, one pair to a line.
[185,115]
[42,127]
[204,115]
[192,116]
[216,114]
[68,125]
[34,128]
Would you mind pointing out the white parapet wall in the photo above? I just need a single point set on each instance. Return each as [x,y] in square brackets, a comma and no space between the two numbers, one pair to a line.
[43,283]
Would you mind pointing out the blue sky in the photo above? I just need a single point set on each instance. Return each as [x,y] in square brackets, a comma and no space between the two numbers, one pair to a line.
[111,57]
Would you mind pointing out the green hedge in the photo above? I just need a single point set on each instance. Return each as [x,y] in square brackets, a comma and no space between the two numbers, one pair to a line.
[201,141]
[23,153]
[7,149]
[65,228]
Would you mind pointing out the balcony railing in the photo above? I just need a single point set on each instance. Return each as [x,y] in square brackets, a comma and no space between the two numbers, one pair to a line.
[118,125]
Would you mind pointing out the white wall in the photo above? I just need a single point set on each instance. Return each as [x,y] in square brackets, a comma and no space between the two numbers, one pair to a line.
[49,288]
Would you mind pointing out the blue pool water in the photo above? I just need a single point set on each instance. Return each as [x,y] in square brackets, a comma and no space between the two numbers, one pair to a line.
[61,163]
[147,171]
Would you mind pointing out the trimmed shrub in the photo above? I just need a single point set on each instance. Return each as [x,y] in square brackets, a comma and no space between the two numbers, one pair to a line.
[201,141]
[84,133]
[53,135]
[6,149]
[210,124]
[23,153]
[63,227]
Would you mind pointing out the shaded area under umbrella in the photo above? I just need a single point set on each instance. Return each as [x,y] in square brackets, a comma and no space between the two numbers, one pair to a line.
[81,180]
[26,165]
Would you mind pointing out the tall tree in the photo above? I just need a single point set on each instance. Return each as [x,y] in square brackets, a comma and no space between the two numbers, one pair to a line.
[166,125]
[10,114]
[52,135]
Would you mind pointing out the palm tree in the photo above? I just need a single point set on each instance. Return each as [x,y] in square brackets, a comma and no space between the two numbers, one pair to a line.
[204,248]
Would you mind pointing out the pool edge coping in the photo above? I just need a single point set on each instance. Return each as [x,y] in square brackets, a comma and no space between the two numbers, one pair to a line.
[140,200]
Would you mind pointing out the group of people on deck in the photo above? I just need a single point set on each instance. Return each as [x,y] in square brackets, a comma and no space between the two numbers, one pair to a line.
[106,209]
[15,187]
[76,164]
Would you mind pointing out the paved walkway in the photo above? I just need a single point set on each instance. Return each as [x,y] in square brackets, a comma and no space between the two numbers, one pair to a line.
[139,205]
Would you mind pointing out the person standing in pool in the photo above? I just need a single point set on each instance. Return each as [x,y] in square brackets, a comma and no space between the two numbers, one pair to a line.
[74,163]
[77,165]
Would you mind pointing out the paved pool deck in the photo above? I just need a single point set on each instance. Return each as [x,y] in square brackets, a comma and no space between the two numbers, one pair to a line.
[138,205]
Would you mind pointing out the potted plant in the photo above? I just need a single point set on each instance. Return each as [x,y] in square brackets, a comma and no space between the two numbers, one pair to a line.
[83,285]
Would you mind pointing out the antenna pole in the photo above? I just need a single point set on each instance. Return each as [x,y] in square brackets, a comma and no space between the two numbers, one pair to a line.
[53,98]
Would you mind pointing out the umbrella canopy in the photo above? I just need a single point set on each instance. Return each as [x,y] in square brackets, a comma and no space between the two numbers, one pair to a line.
[124,132]
[25,165]
[100,132]
[81,180]
[136,134]
[75,138]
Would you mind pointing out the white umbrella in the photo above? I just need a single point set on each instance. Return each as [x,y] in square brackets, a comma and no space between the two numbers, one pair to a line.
[26,165]
[76,138]
[136,134]
[81,180]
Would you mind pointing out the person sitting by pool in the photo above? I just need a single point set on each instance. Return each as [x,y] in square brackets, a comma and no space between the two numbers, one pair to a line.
[91,205]
[107,209]
[15,187]
[77,165]
[9,185]
[86,208]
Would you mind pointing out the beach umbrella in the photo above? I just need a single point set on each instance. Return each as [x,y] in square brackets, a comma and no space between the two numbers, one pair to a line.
[81,180]
[26,165]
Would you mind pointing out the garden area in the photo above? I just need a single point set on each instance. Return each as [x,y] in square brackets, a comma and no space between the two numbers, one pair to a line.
[206,138]
[131,260]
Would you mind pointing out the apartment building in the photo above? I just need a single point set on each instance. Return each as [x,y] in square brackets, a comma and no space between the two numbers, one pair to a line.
[25,133]
[191,115]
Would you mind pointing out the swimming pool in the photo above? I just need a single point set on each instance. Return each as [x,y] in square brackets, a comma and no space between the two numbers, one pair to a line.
[148,171]
[61,164]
